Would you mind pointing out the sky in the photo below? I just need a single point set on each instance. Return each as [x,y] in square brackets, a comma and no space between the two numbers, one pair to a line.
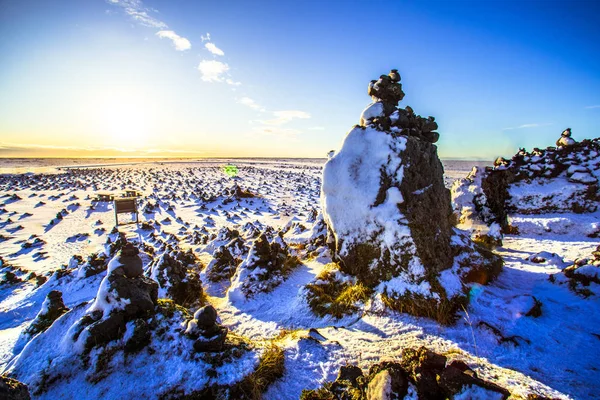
[187,78]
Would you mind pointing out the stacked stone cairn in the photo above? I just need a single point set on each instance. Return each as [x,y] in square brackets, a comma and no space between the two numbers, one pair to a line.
[386,93]
[52,308]
[576,163]
[565,139]
[209,335]
[389,215]
[125,295]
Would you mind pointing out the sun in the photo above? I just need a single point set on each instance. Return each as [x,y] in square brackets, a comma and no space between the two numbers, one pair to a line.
[124,121]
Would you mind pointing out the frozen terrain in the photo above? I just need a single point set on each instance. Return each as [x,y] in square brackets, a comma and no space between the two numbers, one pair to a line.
[189,204]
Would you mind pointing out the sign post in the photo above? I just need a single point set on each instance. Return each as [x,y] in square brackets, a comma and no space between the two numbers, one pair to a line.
[125,205]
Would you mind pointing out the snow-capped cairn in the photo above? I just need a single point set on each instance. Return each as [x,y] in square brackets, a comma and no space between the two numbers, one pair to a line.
[551,180]
[125,295]
[268,263]
[389,213]
[177,274]
[565,139]
[384,113]
[209,334]
[52,308]
[226,260]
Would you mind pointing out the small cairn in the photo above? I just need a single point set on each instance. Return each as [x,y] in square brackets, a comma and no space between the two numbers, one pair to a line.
[52,308]
[125,295]
[385,113]
[565,139]
[209,334]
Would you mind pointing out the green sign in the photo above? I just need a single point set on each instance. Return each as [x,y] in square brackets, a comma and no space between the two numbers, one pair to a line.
[230,170]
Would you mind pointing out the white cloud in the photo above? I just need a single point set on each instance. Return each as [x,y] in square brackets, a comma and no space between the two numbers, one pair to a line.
[139,13]
[180,43]
[248,102]
[205,38]
[214,49]
[527,126]
[596,106]
[232,83]
[283,117]
[212,70]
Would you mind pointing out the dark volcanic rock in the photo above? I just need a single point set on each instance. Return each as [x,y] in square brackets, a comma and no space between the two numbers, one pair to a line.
[426,204]
[421,369]
[124,295]
[177,273]
[12,389]
[551,180]
[209,334]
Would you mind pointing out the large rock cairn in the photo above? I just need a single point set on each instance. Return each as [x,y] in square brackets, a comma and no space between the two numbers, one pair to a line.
[385,203]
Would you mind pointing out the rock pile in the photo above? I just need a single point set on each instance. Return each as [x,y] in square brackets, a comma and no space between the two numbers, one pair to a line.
[125,295]
[177,274]
[551,180]
[208,334]
[385,204]
[385,114]
[226,259]
[52,308]
[268,263]
[420,374]
[583,275]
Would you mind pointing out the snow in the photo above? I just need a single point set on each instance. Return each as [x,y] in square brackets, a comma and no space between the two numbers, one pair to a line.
[373,110]
[351,181]
[556,355]
[473,392]
[380,387]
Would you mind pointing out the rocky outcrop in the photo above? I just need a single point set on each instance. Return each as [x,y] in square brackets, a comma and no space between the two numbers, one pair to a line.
[52,308]
[420,374]
[386,207]
[551,180]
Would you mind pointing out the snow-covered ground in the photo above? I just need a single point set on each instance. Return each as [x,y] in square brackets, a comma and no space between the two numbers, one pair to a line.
[554,354]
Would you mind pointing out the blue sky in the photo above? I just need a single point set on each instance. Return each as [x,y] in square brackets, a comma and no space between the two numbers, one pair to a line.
[289,79]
